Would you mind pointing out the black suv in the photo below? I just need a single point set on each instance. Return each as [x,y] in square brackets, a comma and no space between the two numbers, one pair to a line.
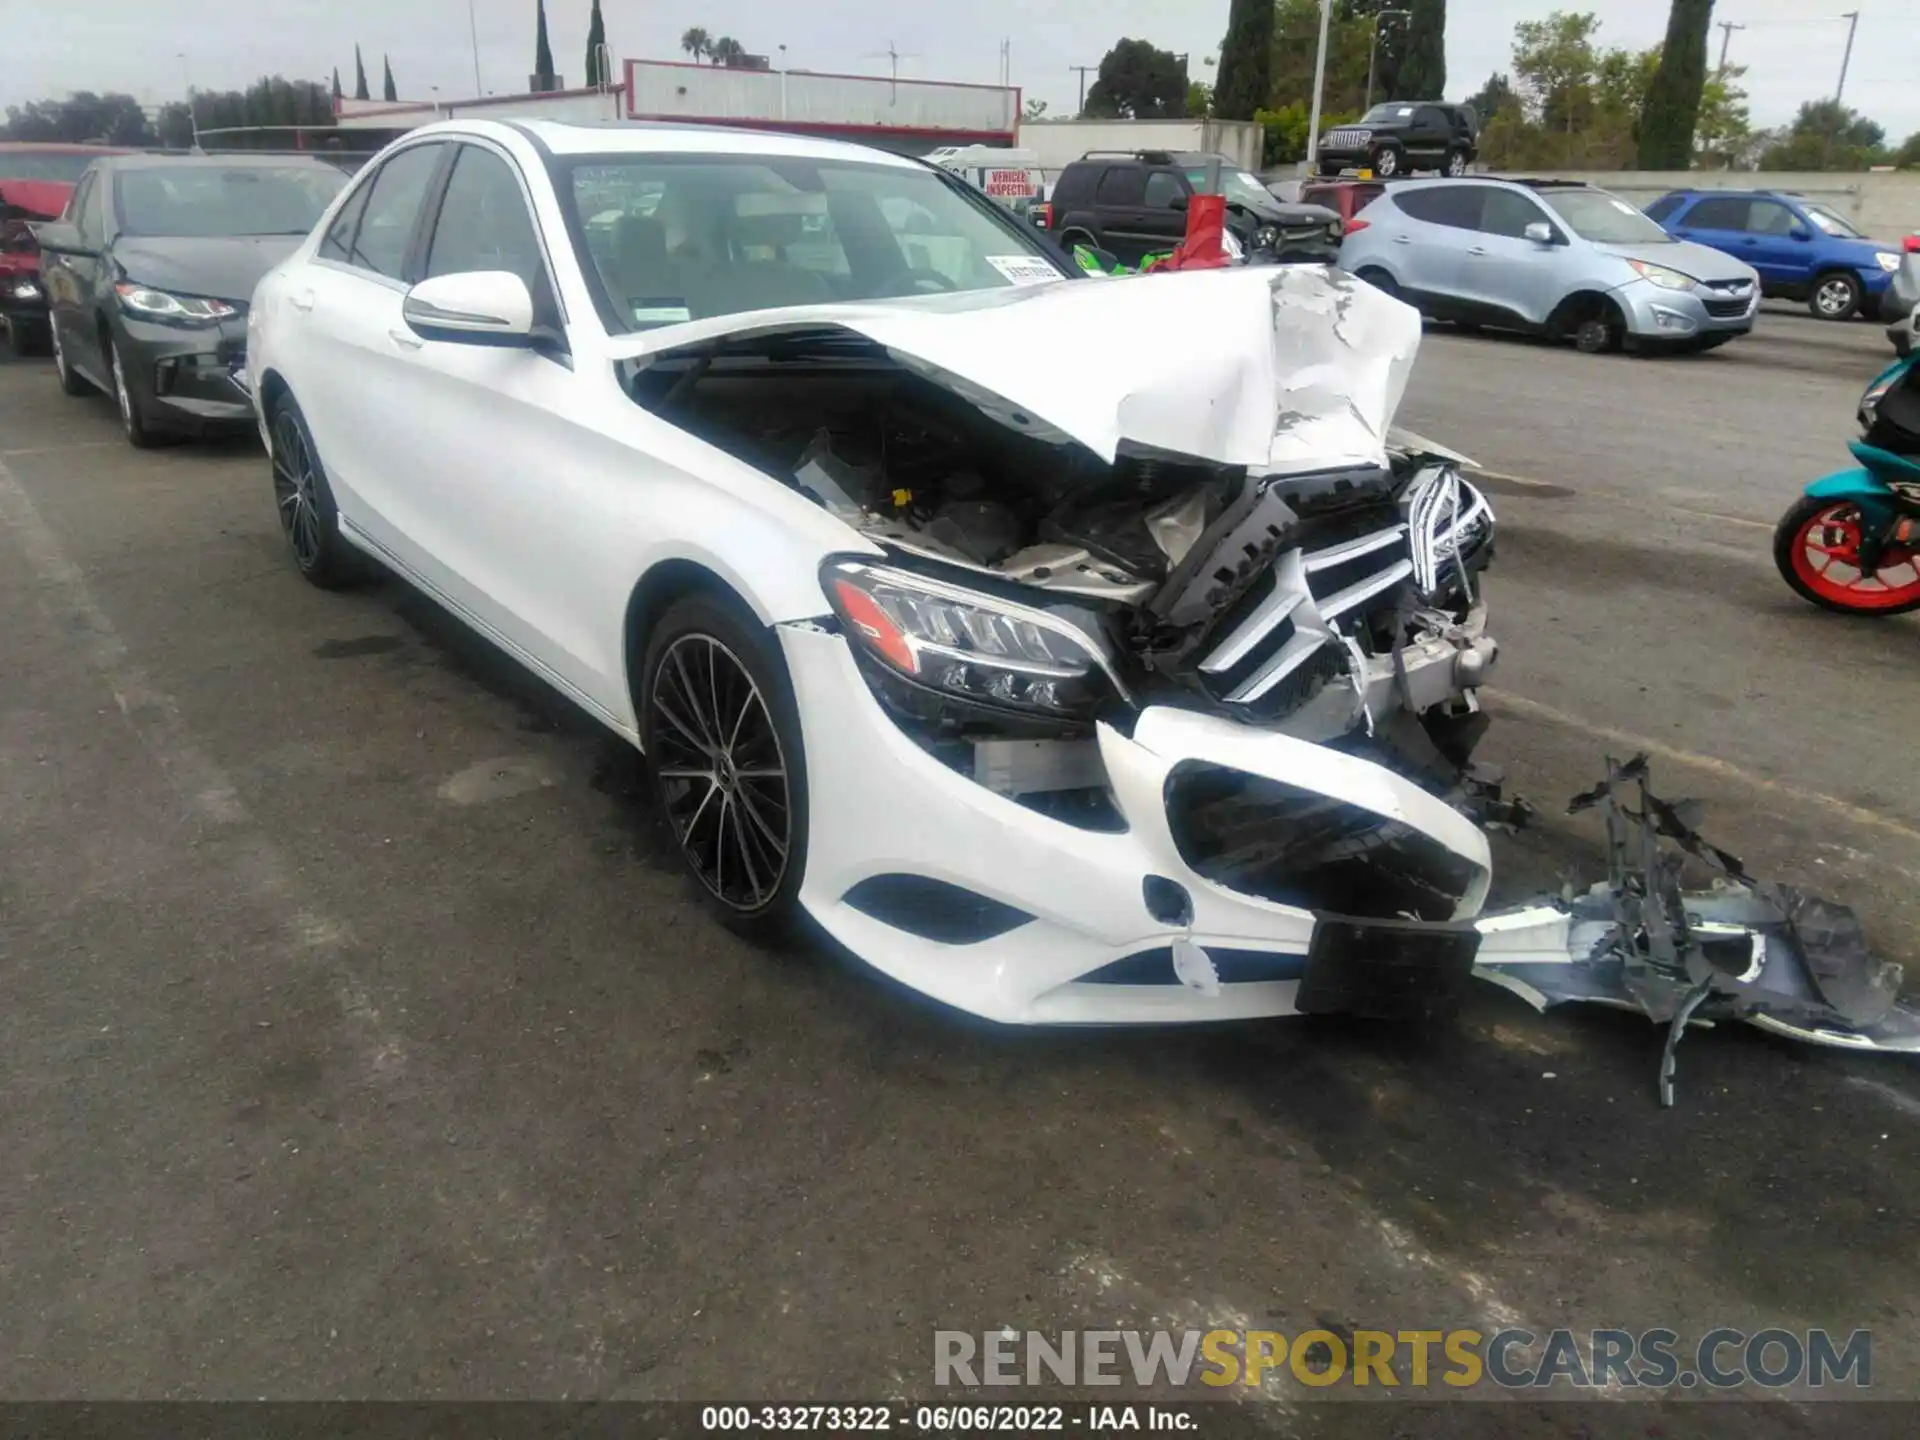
[1134,203]
[1402,137]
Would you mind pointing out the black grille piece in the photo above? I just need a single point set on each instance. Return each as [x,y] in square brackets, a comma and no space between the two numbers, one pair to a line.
[1296,847]
[1725,309]
[933,909]
[1387,970]
[1329,580]
[1301,684]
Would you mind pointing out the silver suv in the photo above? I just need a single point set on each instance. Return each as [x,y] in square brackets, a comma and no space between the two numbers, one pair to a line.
[1555,258]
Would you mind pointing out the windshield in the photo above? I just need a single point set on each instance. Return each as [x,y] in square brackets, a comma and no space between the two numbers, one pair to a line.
[203,200]
[1604,219]
[675,238]
[1239,185]
[1387,115]
[1831,223]
[64,166]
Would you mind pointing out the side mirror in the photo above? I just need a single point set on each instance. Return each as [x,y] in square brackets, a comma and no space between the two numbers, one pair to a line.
[1800,232]
[1179,202]
[475,307]
[1539,232]
[60,237]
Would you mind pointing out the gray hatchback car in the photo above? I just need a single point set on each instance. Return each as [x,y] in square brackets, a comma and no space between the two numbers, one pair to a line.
[1554,258]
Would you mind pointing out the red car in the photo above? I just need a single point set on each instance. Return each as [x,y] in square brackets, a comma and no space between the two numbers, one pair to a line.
[35,181]
[1346,198]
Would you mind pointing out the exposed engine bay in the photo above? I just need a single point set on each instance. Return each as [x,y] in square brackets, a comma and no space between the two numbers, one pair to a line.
[1271,598]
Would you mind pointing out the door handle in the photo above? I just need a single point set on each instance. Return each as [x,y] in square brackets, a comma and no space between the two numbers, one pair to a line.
[1403,239]
[301,300]
[405,339]
[1478,250]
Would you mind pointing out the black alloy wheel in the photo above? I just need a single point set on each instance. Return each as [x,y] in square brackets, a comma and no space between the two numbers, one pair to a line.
[308,517]
[722,742]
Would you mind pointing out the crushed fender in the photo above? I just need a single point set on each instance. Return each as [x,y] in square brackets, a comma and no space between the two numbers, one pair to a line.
[1743,949]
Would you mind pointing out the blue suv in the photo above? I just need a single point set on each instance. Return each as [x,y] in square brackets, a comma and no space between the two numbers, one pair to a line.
[1803,251]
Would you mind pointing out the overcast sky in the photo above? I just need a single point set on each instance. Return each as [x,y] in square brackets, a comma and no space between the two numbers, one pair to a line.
[1792,47]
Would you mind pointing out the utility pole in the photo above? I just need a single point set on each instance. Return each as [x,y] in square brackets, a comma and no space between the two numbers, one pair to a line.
[473,34]
[1727,27]
[1852,17]
[1083,69]
[1319,81]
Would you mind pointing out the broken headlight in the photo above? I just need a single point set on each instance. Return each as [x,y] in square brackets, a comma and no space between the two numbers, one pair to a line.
[1449,522]
[967,645]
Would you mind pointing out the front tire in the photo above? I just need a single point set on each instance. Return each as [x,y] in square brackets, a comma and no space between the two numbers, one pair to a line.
[1812,547]
[1835,296]
[724,755]
[308,517]
[1456,163]
[133,424]
[1385,162]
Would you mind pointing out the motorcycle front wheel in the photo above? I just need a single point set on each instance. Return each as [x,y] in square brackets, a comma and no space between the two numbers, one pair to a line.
[1816,546]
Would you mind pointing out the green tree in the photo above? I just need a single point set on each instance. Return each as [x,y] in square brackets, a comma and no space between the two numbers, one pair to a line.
[1673,98]
[1034,110]
[696,42]
[1723,135]
[336,82]
[1246,60]
[174,125]
[728,51]
[596,43]
[1826,135]
[387,89]
[1138,82]
[1422,71]
[1496,97]
[1907,157]
[543,76]
[1199,99]
[360,91]
[1296,36]
[83,117]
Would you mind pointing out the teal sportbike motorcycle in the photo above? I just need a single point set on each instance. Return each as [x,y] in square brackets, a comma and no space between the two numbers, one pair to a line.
[1851,542]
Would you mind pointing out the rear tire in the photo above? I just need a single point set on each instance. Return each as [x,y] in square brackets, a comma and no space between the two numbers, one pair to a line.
[1380,280]
[71,381]
[725,760]
[1835,296]
[308,516]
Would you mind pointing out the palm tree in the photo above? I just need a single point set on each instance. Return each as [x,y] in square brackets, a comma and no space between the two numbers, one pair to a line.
[727,51]
[697,43]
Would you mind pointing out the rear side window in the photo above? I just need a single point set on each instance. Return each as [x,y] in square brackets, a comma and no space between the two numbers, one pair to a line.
[1454,205]
[1663,207]
[1075,183]
[337,243]
[1122,185]
[392,211]
[1719,212]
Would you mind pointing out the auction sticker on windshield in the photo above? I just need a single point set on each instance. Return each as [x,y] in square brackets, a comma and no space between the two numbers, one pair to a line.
[1024,269]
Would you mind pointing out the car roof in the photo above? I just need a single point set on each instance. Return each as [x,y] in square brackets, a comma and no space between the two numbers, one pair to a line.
[641,137]
[1719,190]
[131,160]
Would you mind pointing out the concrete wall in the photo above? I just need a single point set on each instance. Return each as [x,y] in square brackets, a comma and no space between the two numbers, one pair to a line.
[584,106]
[1883,206]
[1056,142]
[804,100]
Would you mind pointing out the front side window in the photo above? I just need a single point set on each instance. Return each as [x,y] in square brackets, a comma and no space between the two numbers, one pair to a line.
[1769,217]
[1163,191]
[1237,185]
[483,222]
[673,238]
[392,211]
[1604,219]
[337,243]
[195,200]
[1832,223]
[1660,209]
[1388,115]
[1506,212]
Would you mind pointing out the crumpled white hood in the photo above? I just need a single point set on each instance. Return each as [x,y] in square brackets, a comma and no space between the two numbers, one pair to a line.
[1280,367]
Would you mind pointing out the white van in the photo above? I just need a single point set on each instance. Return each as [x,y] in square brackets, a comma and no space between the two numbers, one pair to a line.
[1011,177]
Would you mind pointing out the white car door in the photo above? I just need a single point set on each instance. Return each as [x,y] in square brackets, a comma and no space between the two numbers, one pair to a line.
[349,375]
[487,518]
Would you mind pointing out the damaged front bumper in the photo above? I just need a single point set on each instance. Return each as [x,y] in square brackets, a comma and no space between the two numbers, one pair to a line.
[990,906]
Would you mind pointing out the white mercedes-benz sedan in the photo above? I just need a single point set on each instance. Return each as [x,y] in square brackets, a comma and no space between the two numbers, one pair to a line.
[1070,649]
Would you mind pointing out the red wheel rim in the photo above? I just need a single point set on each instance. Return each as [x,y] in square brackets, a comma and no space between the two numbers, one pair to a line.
[1826,557]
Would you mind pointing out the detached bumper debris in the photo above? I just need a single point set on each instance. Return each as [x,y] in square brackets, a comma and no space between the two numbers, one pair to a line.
[1744,949]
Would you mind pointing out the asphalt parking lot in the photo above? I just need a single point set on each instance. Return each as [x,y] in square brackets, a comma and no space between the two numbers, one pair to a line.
[361,1039]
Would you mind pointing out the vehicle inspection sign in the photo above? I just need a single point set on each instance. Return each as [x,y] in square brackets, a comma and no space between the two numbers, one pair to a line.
[1009,184]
